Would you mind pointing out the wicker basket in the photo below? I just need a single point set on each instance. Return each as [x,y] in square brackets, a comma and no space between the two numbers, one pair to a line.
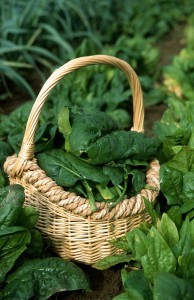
[65,218]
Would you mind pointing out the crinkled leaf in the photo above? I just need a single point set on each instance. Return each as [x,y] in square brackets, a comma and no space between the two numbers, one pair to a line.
[121,145]
[13,241]
[158,257]
[188,187]
[168,286]
[87,128]
[11,201]
[43,278]
[171,182]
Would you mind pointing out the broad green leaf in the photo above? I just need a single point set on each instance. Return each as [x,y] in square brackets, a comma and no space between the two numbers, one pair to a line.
[136,286]
[168,231]
[186,270]
[115,174]
[174,212]
[43,278]
[122,296]
[186,240]
[11,202]
[13,241]
[137,242]
[138,179]
[35,247]
[183,160]
[87,128]
[28,217]
[168,286]
[121,145]
[112,260]
[171,181]
[87,171]
[56,166]
[158,257]
[188,188]
[120,243]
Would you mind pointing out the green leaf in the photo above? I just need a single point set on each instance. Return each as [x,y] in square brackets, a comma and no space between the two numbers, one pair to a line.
[168,230]
[28,217]
[112,260]
[188,188]
[115,174]
[121,145]
[158,257]
[11,202]
[66,169]
[43,278]
[35,247]
[174,212]
[136,286]
[56,166]
[138,179]
[122,296]
[171,181]
[168,286]
[186,240]
[64,126]
[87,128]
[13,241]
[137,242]
[151,211]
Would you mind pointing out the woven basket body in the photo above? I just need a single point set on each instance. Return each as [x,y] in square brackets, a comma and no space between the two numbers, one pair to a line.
[66,219]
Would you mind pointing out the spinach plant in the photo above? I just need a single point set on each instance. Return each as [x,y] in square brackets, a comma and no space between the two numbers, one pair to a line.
[25,272]
[165,256]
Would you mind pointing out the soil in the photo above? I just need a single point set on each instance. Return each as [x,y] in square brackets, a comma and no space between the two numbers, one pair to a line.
[107,284]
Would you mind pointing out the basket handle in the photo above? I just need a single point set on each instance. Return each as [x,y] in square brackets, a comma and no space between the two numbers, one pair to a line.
[27,148]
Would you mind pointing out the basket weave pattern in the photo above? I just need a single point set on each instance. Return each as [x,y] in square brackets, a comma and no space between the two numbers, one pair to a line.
[76,232]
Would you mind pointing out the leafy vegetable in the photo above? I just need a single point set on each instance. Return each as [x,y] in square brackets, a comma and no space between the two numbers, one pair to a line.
[22,277]
[43,278]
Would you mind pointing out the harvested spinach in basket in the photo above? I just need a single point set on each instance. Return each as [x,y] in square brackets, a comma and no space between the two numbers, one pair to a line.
[97,160]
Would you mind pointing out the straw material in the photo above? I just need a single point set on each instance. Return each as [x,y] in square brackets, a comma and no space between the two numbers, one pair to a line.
[66,219]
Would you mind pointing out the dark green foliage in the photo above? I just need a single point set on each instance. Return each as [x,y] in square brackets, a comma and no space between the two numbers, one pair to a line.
[21,275]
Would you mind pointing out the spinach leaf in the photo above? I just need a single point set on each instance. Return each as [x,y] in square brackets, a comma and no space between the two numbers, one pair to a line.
[11,202]
[87,128]
[135,285]
[66,169]
[113,260]
[168,286]
[13,242]
[43,278]
[122,145]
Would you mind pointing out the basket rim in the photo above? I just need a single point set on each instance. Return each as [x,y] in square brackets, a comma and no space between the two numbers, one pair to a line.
[79,206]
